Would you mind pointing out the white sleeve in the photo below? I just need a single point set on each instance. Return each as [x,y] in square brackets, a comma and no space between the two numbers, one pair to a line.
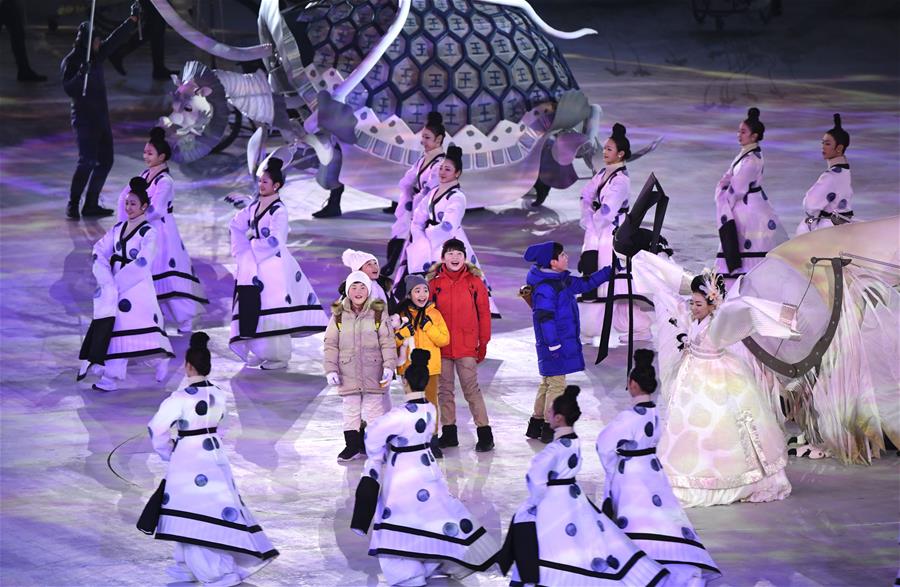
[587,201]
[420,216]
[452,219]
[166,416]
[538,472]
[140,268]
[816,198]
[741,316]
[614,195]
[161,195]
[607,443]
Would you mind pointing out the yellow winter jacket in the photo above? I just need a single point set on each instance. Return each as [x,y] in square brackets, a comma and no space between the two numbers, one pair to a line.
[430,337]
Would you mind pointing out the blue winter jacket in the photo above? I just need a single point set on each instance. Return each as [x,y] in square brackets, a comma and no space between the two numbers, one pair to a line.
[555,315]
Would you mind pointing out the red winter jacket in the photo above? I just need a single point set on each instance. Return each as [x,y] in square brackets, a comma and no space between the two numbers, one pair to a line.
[462,299]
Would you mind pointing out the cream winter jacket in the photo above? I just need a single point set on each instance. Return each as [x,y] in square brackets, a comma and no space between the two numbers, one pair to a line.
[358,350]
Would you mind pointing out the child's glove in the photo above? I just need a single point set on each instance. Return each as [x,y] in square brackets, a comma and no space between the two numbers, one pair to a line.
[333,378]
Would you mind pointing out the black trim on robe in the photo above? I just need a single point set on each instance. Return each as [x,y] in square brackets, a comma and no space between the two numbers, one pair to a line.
[475,535]
[429,556]
[260,555]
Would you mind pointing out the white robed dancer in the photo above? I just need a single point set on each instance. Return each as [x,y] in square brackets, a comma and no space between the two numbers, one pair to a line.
[605,201]
[127,322]
[438,218]
[420,529]
[178,289]
[830,200]
[217,539]
[720,441]
[273,298]
[637,494]
[748,225]
[557,536]
[416,182]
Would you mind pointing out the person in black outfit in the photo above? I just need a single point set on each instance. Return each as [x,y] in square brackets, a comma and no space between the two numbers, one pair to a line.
[154,28]
[90,114]
[11,18]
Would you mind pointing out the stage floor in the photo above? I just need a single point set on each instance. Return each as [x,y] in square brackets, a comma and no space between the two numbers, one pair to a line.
[76,466]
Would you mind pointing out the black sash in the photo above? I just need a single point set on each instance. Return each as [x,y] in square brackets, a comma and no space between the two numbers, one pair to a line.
[197,432]
[569,481]
[411,448]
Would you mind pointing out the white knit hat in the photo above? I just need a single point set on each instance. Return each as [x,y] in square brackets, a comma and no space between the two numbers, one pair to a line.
[356,259]
[357,277]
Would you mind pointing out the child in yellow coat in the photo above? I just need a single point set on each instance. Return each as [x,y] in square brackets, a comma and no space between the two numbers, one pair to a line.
[422,321]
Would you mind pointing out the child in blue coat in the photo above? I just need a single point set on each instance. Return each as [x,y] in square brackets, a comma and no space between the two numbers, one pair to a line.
[556,325]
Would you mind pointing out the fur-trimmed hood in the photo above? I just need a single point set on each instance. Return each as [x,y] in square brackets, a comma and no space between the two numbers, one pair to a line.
[340,305]
[436,267]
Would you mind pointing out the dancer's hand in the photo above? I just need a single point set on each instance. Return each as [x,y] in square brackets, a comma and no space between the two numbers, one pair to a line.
[333,379]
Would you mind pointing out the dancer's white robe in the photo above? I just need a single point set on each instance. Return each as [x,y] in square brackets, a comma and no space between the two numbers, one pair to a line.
[416,182]
[831,194]
[640,498]
[290,307]
[740,196]
[720,440]
[577,544]
[420,529]
[121,263]
[604,204]
[215,533]
[178,289]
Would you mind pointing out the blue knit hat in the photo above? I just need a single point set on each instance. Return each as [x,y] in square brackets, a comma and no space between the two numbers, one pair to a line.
[541,254]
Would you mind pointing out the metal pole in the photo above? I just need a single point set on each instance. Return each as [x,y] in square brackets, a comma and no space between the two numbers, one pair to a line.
[90,47]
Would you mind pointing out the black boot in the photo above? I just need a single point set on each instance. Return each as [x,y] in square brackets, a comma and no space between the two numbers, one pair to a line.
[534,427]
[30,75]
[542,190]
[332,207]
[92,207]
[485,439]
[394,249]
[546,433]
[390,209]
[116,61]
[436,447]
[352,449]
[72,211]
[448,438]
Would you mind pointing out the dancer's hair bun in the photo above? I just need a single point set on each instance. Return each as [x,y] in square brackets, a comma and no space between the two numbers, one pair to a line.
[753,114]
[199,341]
[618,130]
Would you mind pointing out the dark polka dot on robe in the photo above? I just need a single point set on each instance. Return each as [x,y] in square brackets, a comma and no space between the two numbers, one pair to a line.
[440,215]
[229,514]
[311,299]
[425,460]
[423,495]
[386,513]
[401,441]
[298,276]
[604,209]
[574,491]
[648,429]
[190,390]
[598,565]
[141,262]
[98,292]
[412,408]
[133,253]
[571,530]
[200,480]
[830,197]
[183,424]
[532,510]
[373,474]
[143,230]
[208,444]
[552,475]
[118,246]
[391,437]
[421,425]
[272,209]
[172,263]
[257,282]
[466,525]
[155,319]
[688,533]
[201,408]
[654,464]
[612,561]
[124,305]
[373,552]
[622,466]
[622,522]
[842,204]
[837,169]
[215,441]
[772,225]
[264,231]
[425,266]
[150,431]
[287,298]
[747,244]
[165,498]
[163,219]
[273,242]
[657,501]
[473,260]
[744,199]
[451,529]
[723,219]
[566,442]
[408,206]
[573,460]
[765,197]
[640,410]
[600,525]
[278,254]
[394,458]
